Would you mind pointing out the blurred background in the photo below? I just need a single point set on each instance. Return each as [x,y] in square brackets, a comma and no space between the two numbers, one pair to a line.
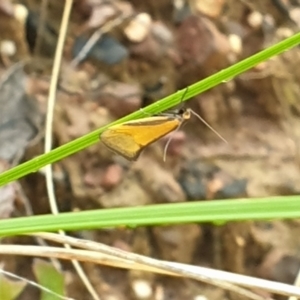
[121,56]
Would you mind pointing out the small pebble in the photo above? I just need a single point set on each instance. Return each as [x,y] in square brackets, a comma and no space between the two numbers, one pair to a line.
[142,289]
[137,30]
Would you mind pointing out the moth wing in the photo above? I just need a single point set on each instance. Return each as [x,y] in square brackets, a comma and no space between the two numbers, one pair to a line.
[130,138]
[121,143]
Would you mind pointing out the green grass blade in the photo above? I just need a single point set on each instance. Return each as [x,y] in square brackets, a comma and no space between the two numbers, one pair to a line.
[179,213]
[225,75]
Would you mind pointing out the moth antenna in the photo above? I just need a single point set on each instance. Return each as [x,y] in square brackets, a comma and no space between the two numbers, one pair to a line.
[183,95]
[213,130]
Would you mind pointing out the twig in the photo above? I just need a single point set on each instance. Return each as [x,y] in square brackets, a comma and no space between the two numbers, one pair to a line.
[48,133]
